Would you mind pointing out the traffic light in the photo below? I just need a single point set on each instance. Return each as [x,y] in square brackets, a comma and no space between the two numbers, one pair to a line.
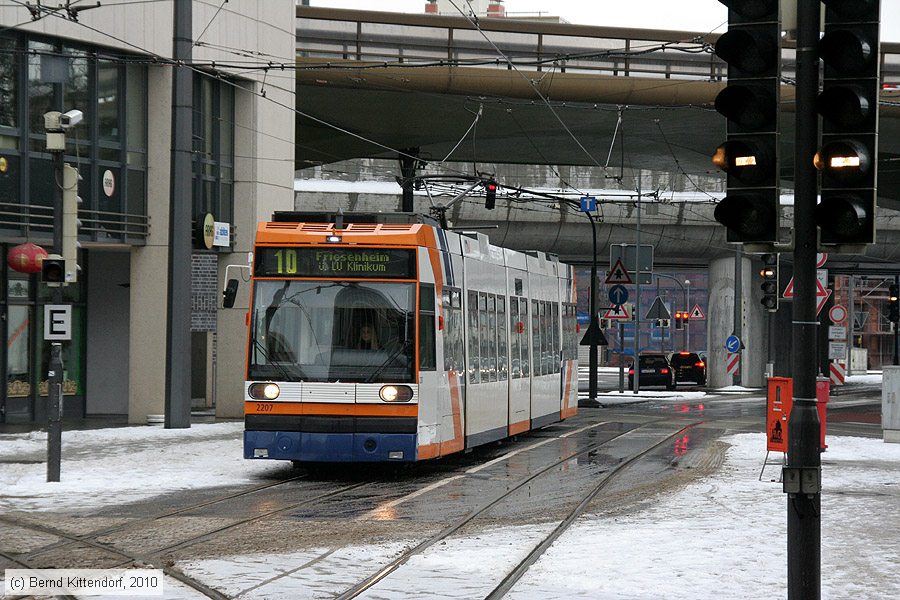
[490,194]
[752,49]
[53,270]
[849,107]
[680,318]
[894,303]
[70,224]
[769,287]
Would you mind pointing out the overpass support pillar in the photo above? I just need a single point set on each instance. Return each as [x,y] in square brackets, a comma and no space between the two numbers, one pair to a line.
[720,323]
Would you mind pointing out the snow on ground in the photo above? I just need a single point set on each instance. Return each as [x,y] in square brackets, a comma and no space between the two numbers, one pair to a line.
[722,537]
[103,467]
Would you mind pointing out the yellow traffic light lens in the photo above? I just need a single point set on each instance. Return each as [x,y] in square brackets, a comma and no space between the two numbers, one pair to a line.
[843,162]
[745,161]
[818,163]
[720,158]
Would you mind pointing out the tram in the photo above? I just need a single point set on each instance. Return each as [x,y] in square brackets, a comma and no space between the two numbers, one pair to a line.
[384,337]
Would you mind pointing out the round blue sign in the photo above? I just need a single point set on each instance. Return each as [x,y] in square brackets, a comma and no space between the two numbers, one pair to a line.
[618,294]
[733,344]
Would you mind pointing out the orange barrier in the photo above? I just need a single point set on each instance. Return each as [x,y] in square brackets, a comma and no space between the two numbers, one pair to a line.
[780,400]
[823,387]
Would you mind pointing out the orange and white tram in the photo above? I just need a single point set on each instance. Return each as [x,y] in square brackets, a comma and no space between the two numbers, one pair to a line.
[381,340]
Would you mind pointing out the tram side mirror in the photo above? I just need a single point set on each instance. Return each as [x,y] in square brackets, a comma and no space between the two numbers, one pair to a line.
[229,293]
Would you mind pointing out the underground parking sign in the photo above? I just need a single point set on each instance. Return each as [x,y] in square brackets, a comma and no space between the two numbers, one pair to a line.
[57,322]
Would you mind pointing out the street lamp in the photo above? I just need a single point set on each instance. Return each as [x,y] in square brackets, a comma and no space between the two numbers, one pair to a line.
[687,326]
[684,297]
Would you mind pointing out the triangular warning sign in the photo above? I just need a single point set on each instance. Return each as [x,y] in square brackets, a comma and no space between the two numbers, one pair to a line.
[618,311]
[821,300]
[789,290]
[618,273]
[593,336]
[697,312]
[658,310]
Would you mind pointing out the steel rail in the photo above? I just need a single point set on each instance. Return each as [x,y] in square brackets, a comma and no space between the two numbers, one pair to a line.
[156,555]
[516,574]
[449,530]
[93,535]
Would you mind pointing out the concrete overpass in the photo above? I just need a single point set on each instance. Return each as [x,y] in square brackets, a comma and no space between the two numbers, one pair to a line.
[371,83]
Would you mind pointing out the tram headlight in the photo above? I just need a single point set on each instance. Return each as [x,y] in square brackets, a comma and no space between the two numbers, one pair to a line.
[396,393]
[264,391]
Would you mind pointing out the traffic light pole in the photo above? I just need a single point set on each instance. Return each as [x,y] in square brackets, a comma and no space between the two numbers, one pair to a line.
[55,368]
[802,475]
[592,360]
[896,333]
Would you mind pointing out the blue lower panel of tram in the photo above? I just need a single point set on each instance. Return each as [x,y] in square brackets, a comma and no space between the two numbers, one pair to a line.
[330,447]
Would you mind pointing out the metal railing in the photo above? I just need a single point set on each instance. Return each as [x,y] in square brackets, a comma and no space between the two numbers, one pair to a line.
[96,225]
[394,39]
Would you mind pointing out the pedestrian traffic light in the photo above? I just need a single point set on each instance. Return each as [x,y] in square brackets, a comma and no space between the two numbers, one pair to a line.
[490,194]
[53,270]
[894,303]
[752,49]
[849,107]
[769,287]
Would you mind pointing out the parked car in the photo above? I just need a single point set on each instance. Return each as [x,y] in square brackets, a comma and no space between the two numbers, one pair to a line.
[655,370]
[688,366]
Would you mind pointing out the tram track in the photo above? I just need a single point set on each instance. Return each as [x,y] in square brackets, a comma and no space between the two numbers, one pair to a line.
[156,558]
[164,557]
[446,532]
[522,567]
[136,523]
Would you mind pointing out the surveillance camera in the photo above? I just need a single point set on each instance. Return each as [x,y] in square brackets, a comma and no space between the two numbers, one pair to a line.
[71,118]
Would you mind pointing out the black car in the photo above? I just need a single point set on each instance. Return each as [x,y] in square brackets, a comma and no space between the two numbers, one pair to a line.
[688,366]
[655,370]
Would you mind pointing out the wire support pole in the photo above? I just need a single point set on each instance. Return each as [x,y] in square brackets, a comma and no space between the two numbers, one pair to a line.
[593,362]
[802,474]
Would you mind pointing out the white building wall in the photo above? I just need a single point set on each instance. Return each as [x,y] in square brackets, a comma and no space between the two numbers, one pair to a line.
[264,152]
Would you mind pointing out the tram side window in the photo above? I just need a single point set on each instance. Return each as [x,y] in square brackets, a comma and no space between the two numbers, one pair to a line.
[492,335]
[546,340]
[454,351]
[485,335]
[474,365]
[573,332]
[514,337]
[523,339]
[554,325]
[536,336]
[427,359]
[502,340]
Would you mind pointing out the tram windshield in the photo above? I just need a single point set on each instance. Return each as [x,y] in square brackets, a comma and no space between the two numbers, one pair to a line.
[333,331]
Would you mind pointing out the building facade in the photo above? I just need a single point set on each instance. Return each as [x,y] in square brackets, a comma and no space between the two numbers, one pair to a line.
[113,63]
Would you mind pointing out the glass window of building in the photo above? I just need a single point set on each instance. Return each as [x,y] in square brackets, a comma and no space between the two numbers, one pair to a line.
[213,147]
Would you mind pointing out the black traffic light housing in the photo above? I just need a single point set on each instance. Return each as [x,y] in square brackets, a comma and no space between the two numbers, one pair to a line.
[53,270]
[752,49]
[894,303]
[849,107]
[769,286]
[680,318]
[490,194]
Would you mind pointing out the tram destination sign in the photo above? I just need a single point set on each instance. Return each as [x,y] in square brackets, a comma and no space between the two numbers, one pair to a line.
[335,261]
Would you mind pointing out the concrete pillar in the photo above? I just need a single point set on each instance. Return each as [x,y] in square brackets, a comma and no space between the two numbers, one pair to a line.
[720,323]
[260,188]
[149,264]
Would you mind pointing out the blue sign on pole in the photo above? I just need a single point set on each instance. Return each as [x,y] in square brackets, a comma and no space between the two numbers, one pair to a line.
[588,204]
[618,294]
[733,344]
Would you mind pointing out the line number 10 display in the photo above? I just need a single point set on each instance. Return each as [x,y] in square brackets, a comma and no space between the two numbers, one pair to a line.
[286,261]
